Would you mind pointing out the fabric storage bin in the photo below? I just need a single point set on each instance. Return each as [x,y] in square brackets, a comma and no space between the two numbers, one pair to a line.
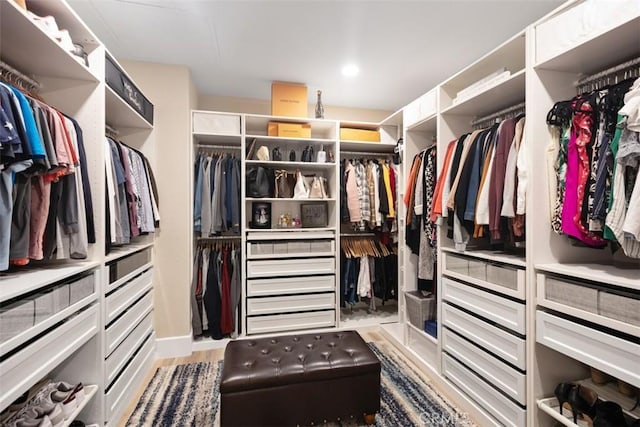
[457,264]
[572,294]
[477,269]
[81,289]
[124,266]
[502,275]
[280,248]
[216,123]
[261,248]
[321,246]
[420,308]
[623,308]
[16,318]
[301,247]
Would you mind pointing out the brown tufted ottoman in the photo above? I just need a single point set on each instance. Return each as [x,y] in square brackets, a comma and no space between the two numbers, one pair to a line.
[299,380]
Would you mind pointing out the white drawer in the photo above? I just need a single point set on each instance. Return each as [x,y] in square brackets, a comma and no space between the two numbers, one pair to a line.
[216,123]
[491,369]
[503,311]
[477,269]
[291,322]
[425,346]
[290,285]
[128,382]
[118,331]
[126,294]
[32,363]
[581,23]
[288,304]
[499,406]
[610,354]
[502,344]
[119,358]
[290,267]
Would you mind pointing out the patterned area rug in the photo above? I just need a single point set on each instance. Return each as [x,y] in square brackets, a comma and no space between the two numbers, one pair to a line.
[187,395]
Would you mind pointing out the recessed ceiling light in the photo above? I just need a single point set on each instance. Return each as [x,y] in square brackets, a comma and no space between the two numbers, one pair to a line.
[350,70]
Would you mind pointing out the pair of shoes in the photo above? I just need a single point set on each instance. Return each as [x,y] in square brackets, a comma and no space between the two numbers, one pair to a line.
[609,414]
[582,401]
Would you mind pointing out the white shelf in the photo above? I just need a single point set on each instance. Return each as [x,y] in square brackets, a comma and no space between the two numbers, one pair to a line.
[277,199]
[365,146]
[327,141]
[296,165]
[626,276]
[609,392]
[36,53]
[495,98]
[119,114]
[427,125]
[433,340]
[501,257]
[31,278]
[550,406]
[123,251]
[89,392]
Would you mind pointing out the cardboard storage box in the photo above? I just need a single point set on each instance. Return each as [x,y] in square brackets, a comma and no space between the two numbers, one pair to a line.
[216,123]
[350,134]
[288,100]
[290,130]
[16,318]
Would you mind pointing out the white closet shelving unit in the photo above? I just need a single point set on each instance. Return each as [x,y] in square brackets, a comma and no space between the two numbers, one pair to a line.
[216,132]
[390,130]
[500,318]
[129,338]
[91,319]
[580,294]
[291,272]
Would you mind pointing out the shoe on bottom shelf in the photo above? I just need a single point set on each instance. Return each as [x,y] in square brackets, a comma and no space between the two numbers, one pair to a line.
[609,414]
[32,422]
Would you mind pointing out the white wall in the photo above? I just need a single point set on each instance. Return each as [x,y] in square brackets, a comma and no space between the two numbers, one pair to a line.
[170,89]
[263,106]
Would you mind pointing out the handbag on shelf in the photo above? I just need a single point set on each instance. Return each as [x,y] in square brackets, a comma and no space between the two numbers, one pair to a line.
[307,154]
[276,155]
[259,182]
[285,182]
[300,191]
[292,156]
[318,188]
[262,154]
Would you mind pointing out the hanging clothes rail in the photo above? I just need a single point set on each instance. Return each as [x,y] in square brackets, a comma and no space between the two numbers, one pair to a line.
[364,153]
[626,70]
[218,147]
[11,74]
[505,113]
[204,239]
[110,131]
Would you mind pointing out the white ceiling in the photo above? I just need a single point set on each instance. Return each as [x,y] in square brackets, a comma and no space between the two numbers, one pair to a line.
[236,48]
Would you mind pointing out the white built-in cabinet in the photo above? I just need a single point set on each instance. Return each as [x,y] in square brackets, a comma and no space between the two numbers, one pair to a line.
[511,326]
[291,276]
[90,320]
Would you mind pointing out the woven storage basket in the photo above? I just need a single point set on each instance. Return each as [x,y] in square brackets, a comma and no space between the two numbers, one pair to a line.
[420,308]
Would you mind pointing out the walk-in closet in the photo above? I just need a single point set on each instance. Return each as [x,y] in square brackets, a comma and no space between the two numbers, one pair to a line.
[481,225]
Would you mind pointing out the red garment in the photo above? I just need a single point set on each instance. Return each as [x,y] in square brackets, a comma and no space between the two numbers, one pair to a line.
[226,318]
[436,202]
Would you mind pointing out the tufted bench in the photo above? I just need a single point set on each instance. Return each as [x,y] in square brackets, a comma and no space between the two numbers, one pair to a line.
[299,380]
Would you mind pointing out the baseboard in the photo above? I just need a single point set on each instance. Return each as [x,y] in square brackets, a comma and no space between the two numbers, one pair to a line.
[167,348]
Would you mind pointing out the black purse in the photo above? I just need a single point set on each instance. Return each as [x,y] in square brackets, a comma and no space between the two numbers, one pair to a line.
[276,155]
[307,154]
[260,182]
[292,156]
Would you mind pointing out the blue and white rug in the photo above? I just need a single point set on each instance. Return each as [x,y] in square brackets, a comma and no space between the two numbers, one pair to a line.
[187,395]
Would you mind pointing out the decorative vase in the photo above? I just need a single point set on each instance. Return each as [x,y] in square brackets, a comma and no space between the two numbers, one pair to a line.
[319,106]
